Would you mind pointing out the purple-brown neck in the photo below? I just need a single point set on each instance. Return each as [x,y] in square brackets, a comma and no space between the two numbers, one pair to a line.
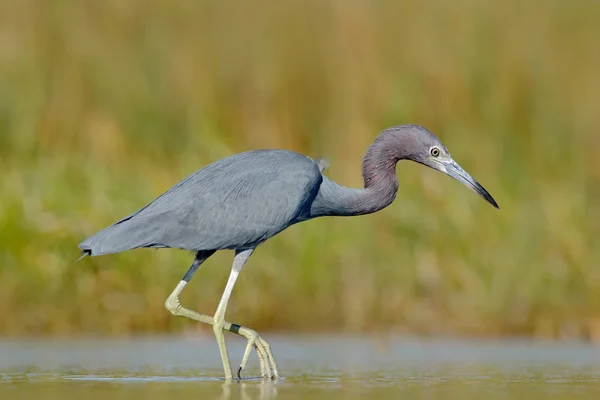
[379,162]
[380,183]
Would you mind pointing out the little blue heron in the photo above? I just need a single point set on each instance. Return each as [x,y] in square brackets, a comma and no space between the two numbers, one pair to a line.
[242,200]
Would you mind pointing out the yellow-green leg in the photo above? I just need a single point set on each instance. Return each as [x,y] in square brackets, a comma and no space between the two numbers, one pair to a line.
[263,349]
[239,260]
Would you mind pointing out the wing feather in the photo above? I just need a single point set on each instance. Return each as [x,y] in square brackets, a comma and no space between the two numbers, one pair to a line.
[233,203]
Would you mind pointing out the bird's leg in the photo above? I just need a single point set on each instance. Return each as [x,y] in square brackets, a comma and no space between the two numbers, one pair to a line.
[174,306]
[239,260]
[253,338]
[267,363]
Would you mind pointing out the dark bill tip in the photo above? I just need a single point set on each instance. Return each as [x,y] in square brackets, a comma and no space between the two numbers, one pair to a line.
[454,170]
[480,190]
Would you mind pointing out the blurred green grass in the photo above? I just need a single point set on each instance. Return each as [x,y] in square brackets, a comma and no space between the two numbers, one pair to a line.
[104,105]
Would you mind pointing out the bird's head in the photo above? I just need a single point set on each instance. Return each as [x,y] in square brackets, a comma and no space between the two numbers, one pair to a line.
[418,144]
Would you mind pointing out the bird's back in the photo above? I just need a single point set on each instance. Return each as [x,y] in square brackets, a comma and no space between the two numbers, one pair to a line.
[234,203]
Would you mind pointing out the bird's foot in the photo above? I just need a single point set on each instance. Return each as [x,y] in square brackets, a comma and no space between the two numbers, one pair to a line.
[268,368]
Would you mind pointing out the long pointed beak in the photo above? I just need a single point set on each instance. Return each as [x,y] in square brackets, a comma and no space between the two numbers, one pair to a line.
[454,170]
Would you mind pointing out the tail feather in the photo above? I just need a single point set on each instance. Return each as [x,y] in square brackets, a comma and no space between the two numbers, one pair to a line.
[125,235]
[84,253]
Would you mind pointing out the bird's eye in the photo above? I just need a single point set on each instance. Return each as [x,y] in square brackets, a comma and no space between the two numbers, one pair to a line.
[435,151]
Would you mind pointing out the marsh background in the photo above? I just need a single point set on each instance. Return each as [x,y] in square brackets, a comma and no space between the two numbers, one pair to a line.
[105,105]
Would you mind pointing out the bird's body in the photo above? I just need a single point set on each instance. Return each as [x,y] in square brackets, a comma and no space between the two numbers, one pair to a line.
[234,203]
[240,201]
[237,203]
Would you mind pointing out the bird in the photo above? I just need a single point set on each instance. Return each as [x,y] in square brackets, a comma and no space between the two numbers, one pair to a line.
[241,201]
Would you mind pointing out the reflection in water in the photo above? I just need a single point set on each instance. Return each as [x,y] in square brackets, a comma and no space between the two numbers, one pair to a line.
[312,367]
[262,390]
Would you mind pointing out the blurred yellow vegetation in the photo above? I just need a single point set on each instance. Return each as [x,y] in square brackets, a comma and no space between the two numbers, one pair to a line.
[106,104]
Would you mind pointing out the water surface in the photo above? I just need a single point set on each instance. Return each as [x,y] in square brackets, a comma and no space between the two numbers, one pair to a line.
[316,367]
